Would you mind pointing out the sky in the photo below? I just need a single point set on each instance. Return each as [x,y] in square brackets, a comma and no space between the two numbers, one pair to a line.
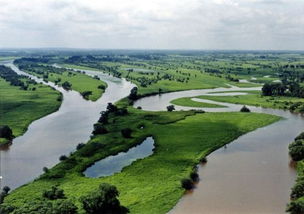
[153,24]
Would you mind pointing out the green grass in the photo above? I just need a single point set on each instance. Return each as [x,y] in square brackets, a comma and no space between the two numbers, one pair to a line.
[255,99]
[3,141]
[150,185]
[188,102]
[18,108]
[80,82]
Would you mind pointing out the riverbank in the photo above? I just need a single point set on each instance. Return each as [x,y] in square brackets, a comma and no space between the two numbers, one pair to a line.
[20,107]
[181,140]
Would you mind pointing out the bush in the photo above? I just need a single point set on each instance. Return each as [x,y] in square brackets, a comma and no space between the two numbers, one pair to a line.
[6,132]
[300,136]
[66,85]
[296,207]
[79,146]
[170,108]
[63,157]
[194,176]
[99,129]
[187,184]
[296,150]
[245,109]
[86,94]
[297,190]
[53,194]
[126,133]
[103,200]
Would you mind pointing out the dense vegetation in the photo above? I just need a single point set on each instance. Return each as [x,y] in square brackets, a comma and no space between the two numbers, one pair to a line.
[89,87]
[191,135]
[296,151]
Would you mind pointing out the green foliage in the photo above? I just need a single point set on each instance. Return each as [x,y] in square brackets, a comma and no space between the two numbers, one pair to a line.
[187,183]
[170,108]
[126,132]
[54,193]
[296,150]
[103,200]
[245,109]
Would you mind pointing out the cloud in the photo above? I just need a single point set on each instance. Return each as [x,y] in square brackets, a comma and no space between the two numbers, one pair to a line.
[171,24]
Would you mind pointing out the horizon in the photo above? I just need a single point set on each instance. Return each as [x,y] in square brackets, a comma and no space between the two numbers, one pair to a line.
[170,25]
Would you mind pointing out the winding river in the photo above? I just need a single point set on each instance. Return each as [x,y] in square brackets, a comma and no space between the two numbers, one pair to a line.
[58,133]
[250,175]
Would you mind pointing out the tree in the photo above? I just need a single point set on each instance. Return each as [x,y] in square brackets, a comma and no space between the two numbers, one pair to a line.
[6,132]
[170,108]
[133,93]
[187,184]
[86,94]
[245,109]
[103,200]
[111,108]
[99,129]
[66,85]
[126,133]
[54,193]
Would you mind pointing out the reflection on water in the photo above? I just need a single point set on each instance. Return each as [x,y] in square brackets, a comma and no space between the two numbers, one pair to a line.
[116,163]
[58,133]
[252,174]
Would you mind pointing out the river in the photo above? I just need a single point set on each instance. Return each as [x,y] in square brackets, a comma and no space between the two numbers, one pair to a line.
[253,174]
[58,133]
[250,175]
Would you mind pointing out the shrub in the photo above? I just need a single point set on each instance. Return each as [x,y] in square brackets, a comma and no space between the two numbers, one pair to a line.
[133,94]
[187,184]
[63,157]
[194,176]
[53,194]
[296,207]
[126,133]
[99,129]
[245,109]
[103,200]
[170,108]
[6,132]
[300,136]
[79,146]
[66,85]
[296,150]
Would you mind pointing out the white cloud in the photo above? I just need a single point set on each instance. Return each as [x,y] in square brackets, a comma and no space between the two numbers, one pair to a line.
[188,24]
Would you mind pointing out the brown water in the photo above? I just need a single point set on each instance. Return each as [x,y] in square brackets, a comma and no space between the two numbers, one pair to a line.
[56,134]
[252,174]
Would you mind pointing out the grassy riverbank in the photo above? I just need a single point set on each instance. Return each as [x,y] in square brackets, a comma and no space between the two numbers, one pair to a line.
[256,99]
[188,102]
[150,185]
[20,107]
[163,79]
[84,84]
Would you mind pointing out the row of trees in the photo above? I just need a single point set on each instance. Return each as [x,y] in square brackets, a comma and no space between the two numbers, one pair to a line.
[12,77]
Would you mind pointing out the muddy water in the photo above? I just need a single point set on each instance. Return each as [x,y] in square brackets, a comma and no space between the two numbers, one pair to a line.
[56,134]
[252,174]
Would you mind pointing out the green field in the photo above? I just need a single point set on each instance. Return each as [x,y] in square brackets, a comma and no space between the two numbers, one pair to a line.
[255,99]
[182,139]
[188,102]
[20,107]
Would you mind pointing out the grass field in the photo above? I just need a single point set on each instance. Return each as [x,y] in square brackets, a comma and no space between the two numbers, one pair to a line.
[187,101]
[181,138]
[184,79]
[19,107]
[255,99]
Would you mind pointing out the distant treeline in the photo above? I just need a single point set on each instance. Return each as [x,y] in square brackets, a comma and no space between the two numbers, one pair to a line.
[12,77]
